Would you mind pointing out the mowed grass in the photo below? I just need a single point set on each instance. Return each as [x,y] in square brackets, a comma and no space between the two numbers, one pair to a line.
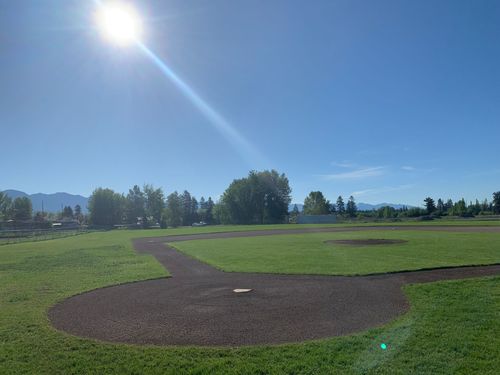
[452,327]
[309,254]
[243,228]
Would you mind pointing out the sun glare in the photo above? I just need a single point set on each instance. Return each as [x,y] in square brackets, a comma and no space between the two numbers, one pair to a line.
[119,23]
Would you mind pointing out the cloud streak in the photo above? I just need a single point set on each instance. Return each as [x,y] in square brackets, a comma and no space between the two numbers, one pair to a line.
[357,174]
[381,190]
[344,164]
[408,168]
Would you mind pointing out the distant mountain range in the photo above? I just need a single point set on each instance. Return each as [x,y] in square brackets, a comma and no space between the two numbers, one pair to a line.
[361,206]
[51,202]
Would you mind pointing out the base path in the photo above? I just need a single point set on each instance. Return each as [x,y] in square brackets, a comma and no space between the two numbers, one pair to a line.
[197,305]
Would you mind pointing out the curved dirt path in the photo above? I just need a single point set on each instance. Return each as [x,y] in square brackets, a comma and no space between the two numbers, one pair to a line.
[196,306]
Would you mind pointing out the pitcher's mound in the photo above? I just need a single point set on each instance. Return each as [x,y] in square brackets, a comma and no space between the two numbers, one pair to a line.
[366,242]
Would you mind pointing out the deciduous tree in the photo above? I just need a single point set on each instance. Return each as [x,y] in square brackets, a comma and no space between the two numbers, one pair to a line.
[136,205]
[262,197]
[173,210]
[155,202]
[106,207]
[316,204]
[22,209]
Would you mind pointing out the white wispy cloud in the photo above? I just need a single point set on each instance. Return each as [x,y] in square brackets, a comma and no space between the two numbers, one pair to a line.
[356,174]
[344,164]
[408,168]
[381,190]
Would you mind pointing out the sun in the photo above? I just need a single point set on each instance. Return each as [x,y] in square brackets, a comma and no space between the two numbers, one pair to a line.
[119,23]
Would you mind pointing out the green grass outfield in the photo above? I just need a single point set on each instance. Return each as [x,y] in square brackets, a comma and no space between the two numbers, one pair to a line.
[238,228]
[452,327]
[309,254]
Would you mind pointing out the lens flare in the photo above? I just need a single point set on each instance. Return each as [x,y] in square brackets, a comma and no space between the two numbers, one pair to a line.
[239,143]
[121,24]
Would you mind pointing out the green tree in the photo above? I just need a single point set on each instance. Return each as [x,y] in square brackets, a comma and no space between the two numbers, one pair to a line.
[386,212]
[294,214]
[485,206]
[316,204]
[416,212]
[67,212]
[340,205]
[5,206]
[476,208]
[136,205]
[22,209]
[155,202]
[448,206]
[430,206]
[262,197]
[194,210]
[187,208]
[237,204]
[459,208]
[202,210]
[209,215]
[440,206]
[203,203]
[351,207]
[173,210]
[220,214]
[496,202]
[270,196]
[106,207]
[78,213]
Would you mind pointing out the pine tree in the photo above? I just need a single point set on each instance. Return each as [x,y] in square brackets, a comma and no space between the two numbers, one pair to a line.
[351,208]
[430,205]
[340,205]
[209,218]
[496,202]
[440,206]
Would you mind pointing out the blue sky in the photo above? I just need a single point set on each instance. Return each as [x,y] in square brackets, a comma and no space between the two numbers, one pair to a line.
[387,100]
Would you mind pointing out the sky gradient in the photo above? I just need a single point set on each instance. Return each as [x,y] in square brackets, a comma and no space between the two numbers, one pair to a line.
[390,101]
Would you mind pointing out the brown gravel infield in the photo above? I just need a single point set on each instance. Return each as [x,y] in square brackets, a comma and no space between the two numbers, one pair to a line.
[197,305]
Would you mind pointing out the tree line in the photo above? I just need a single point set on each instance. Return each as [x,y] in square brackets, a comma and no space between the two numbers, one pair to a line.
[148,206]
[443,208]
[461,207]
[316,204]
[20,210]
[259,198]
